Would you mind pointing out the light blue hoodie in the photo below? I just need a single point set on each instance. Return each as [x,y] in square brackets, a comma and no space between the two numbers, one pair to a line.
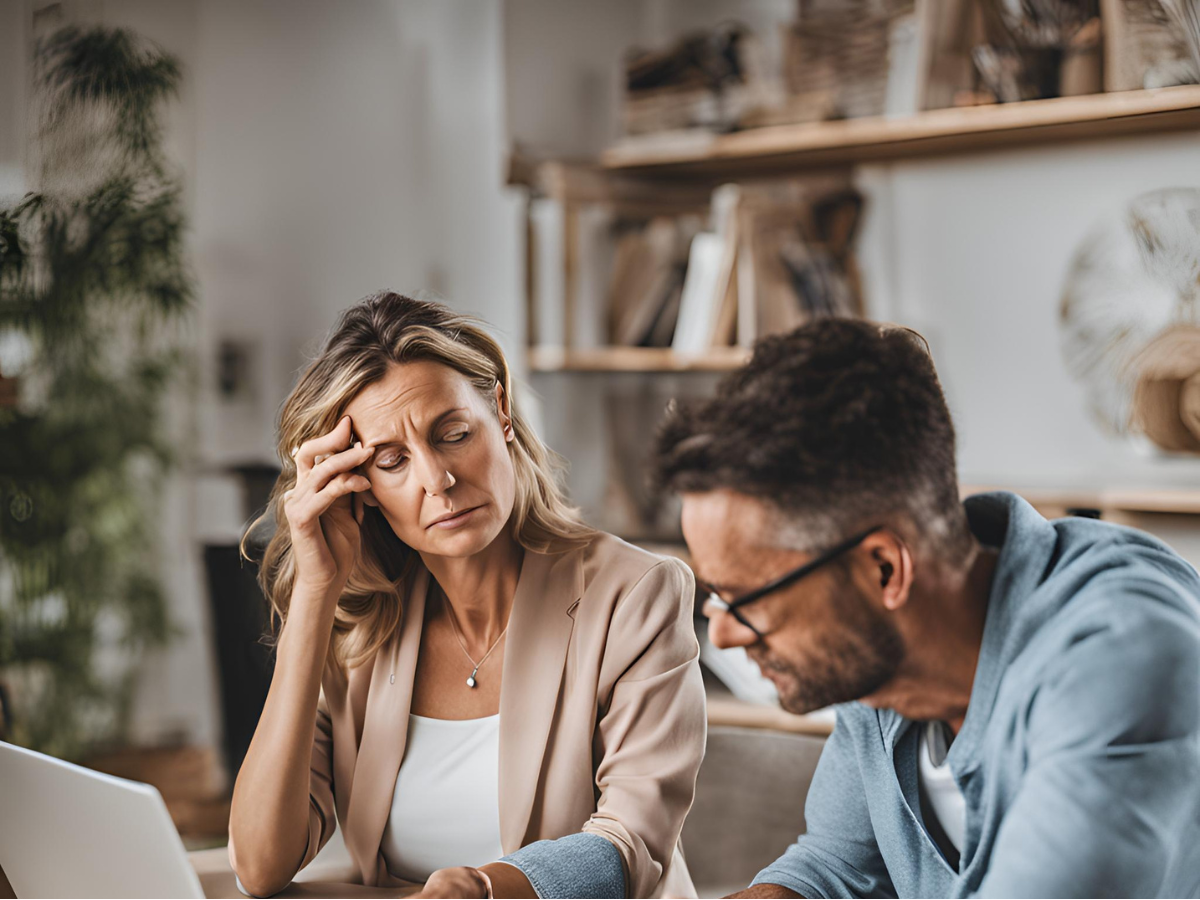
[1079,757]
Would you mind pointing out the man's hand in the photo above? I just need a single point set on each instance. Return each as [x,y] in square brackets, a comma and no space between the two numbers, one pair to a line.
[765,890]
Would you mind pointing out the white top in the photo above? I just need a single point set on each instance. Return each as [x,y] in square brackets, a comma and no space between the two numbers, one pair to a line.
[939,790]
[446,804]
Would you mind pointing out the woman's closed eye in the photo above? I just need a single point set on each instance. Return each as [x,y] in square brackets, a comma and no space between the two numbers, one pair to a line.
[395,459]
[390,459]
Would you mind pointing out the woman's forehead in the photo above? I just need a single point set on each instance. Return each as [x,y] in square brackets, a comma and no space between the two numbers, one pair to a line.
[410,396]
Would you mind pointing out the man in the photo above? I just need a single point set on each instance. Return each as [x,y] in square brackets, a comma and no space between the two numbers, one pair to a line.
[1020,698]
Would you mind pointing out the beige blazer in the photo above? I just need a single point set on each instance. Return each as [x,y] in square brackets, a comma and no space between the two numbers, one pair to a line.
[602,717]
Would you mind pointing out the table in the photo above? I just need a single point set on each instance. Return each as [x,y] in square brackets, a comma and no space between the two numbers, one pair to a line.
[319,879]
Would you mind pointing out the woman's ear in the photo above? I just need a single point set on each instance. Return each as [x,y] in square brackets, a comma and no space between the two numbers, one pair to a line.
[502,410]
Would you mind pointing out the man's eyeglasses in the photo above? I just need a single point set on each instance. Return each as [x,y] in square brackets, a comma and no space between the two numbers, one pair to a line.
[714,604]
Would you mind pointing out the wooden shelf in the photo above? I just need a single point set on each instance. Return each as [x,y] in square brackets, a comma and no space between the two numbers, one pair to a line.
[936,132]
[1107,500]
[728,711]
[633,359]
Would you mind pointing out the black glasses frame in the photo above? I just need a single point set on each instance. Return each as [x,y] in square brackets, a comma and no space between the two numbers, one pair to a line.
[786,580]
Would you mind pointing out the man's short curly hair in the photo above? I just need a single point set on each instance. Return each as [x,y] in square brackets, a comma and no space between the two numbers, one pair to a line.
[840,424]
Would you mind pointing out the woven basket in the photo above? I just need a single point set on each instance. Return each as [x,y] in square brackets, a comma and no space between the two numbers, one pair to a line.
[1145,47]
[837,55]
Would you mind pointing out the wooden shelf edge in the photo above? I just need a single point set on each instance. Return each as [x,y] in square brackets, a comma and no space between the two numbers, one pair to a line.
[633,359]
[739,714]
[1127,500]
[930,133]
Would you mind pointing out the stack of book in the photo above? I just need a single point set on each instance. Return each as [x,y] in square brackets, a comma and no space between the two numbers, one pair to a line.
[629,262]
[646,286]
[772,257]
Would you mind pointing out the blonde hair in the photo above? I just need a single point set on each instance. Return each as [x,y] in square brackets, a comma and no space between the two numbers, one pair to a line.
[383,330]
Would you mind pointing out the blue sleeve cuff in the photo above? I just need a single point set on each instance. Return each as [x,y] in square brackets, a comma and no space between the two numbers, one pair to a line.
[578,865]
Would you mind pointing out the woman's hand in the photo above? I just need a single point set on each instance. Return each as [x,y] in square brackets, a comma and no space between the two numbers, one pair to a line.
[323,512]
[461,881]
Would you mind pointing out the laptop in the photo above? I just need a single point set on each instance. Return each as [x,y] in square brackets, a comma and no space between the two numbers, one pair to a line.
[66,831]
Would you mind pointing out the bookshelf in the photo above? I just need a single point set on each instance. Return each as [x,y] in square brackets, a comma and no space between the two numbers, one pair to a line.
[675,173]
[936,132]
[1114,504]
[672,173]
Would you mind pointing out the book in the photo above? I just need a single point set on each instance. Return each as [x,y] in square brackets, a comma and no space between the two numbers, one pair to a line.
[705,316]
[698,305]
[663,330]
[645,269]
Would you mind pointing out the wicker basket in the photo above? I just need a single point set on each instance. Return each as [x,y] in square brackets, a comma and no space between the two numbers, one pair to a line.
[1144,47]
[836,55]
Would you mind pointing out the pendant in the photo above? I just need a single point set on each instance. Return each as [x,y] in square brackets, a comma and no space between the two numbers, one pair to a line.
[471,679]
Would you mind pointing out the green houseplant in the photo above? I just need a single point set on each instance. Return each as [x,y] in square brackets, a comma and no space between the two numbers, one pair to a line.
[94,288]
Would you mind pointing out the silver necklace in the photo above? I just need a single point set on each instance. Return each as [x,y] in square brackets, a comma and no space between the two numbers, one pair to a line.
[454,626]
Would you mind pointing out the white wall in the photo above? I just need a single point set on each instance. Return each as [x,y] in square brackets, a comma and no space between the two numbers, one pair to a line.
[973,251]
[343,148]
[328,150]
[562,63]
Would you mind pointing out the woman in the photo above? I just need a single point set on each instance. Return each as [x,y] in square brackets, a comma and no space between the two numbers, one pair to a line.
[491,697]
